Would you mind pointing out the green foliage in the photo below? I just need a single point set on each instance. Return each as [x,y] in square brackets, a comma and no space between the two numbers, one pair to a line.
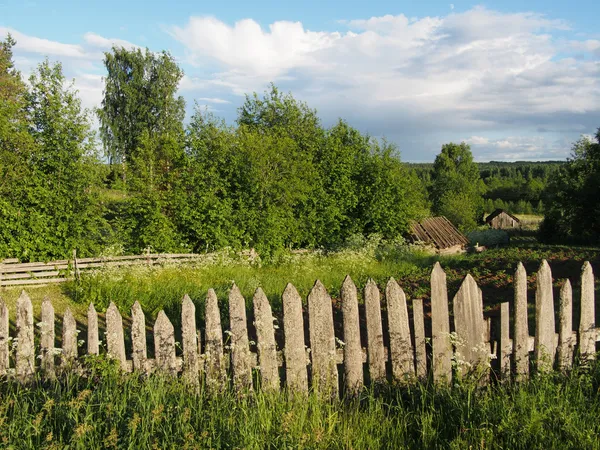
[488,237]
[49,201]
[573,196]
[457,186]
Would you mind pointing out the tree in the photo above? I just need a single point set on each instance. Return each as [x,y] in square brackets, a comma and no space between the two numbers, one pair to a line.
[140,106]
[457,186]
[572,198]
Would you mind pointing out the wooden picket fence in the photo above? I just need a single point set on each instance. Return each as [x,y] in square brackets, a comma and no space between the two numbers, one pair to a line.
[221,358]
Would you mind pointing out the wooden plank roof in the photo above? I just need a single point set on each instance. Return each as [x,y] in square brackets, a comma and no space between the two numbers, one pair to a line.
[438,231]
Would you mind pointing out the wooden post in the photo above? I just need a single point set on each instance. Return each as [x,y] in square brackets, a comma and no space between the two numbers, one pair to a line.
[587,321]
[440,325]
[544,319]
[353,365]
[25,360]
[322,341]
[4,329]
[138,337]
[240,351]
[189,341]
[164,345]
[115,340]
[376,355]
[69,340]
[420,340]
[506,347]
[93,345]
[214,363]
[293,332]
[75,266]
[47,338]
[401,349]
[265,336]
[521,327]
[565,334]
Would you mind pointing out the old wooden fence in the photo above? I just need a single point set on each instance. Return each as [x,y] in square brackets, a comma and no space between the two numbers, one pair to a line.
[328,362]
[14,273]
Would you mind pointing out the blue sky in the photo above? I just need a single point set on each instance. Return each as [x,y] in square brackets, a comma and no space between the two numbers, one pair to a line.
[515,82]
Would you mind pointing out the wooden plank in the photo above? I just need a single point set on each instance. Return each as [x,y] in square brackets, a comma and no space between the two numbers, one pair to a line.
[322,341]
[565,334]
[544,319]
[93,344]
[403,366]
[521,327]
[39,268]
[26,275]
[293,332]
[69,340]
[587,321]
[440,325]
[353,366]
[240,351]
[164,345]
[10,261]
[4,335]
[506,347]
[34,282]
[25,357]
[47,338]
[138,337]
[265,335]
[471,349]
[49,264]
[215,361]
[374,332]
[115,339]
[420,340]
[189,341]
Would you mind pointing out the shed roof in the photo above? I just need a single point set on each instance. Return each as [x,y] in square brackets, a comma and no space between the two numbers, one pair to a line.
[438,231]
[499,211]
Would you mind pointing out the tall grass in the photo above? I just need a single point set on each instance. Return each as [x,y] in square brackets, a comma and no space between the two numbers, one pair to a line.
[107,410]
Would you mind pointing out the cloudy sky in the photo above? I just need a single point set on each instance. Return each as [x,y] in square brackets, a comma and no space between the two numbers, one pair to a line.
[515,82]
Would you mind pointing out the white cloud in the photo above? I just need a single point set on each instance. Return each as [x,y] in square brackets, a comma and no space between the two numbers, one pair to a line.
[95,40]
[31,44]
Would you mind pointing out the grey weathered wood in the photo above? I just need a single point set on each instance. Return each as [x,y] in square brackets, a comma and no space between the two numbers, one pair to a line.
[293,333]
[265,336]
[240,351]
[587,320]
[189,341]
[440,326]
[376,356]
[521,327]
[139,346]
[565,332]
[544,319]
[401,349]
[472,351]
[322,341]
[353,365]
[69,339]
[506,344]
[93,344]
[164,345]
[47,338]
[4,329]
[420,340]
[214,362]
[25,358]
[115,339]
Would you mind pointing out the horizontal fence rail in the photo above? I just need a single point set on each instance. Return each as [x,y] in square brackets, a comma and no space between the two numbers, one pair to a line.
[14,273]
[406,346]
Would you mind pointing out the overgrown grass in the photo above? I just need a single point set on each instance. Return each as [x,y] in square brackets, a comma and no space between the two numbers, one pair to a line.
[107,410]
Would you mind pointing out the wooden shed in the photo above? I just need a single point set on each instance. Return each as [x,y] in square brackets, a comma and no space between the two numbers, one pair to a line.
[502,220]
[441,234]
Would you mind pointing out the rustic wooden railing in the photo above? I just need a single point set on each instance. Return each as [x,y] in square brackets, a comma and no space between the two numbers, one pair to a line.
[13,273]
[458,349]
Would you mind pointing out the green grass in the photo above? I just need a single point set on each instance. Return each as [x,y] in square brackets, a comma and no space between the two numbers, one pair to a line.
[107,410]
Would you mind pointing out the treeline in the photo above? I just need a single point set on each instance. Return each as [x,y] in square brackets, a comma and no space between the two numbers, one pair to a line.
[275,179]
[517,187]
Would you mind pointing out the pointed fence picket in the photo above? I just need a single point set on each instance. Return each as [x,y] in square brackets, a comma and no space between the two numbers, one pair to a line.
[456,345]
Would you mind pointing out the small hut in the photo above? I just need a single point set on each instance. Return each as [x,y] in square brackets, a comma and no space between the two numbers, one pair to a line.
[502,220]
[439,233]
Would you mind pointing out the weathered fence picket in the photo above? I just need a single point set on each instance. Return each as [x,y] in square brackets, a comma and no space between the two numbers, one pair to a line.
[469,347]
[294,350]
[322,340]
[353,365]
[401,349]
